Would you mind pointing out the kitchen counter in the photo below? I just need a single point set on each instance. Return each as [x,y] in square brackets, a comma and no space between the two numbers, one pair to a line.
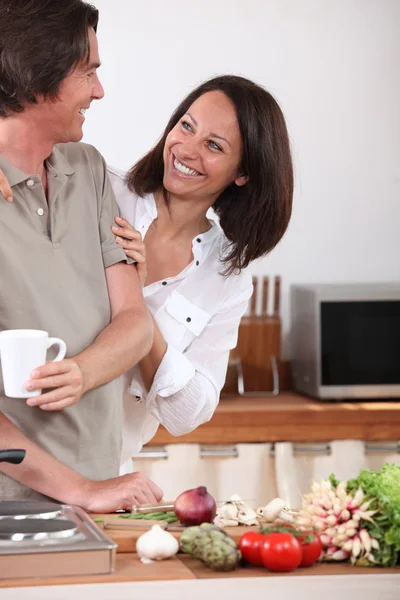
[182,577]
[293,418]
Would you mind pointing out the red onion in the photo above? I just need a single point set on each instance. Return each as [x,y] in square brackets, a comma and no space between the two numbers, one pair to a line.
[195,507]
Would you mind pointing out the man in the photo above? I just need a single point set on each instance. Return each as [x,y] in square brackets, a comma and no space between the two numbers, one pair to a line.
[60,268]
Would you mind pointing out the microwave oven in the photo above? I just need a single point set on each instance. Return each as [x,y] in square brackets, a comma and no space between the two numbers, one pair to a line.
[345,340]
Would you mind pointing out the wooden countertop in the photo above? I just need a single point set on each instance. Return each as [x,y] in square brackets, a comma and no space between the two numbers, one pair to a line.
[128,568]
[292,417]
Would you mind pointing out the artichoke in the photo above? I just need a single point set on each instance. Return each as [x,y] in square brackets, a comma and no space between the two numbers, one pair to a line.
[190,534]
[212,546]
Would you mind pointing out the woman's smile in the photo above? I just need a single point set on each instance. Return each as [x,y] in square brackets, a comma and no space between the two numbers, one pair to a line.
[180,169]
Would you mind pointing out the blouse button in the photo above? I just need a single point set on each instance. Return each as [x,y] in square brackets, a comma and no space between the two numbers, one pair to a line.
[164,283]
[30,183]
[198,240]
[40,212]
[197,263]
[188,319]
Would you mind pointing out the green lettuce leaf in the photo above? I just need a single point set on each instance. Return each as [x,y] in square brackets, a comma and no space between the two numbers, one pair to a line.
[384,487]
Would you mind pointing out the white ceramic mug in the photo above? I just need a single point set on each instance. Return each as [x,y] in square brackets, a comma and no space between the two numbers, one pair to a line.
[22,351]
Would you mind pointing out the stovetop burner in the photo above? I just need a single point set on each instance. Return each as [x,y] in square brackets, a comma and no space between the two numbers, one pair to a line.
[29,509]
[36,529]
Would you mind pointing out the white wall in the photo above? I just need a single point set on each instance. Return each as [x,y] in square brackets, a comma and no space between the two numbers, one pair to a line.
[334,66]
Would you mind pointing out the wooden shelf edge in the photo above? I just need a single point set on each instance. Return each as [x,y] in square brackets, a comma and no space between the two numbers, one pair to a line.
[294,418]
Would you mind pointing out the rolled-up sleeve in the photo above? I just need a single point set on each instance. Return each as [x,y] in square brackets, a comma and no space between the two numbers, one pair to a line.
[186,388]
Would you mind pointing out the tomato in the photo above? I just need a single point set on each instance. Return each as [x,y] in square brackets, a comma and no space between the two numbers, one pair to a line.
[250,547]
[311,547]
[281,552]
[310,541]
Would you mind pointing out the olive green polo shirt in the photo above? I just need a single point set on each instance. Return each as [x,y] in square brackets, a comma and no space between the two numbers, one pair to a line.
[53,257]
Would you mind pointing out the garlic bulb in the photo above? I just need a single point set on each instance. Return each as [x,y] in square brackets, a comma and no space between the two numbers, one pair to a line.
[235,512]
[229,510]
[247,516]
[156,544]
[225,522]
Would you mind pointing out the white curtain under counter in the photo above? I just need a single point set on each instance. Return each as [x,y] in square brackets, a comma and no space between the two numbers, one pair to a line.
[244,469]
[259,472]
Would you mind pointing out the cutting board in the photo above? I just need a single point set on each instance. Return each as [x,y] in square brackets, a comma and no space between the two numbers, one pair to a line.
[126,538]
[203,572]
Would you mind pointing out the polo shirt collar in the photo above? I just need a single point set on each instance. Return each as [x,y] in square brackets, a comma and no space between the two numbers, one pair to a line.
[56,160]
[14,175]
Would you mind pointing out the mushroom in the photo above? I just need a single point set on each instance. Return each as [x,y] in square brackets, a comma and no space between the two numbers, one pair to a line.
[276,509]
[272,510]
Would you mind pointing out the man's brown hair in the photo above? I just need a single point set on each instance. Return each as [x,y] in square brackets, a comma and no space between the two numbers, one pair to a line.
[41,42]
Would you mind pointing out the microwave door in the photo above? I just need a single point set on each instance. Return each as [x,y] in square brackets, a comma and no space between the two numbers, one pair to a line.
[360,349]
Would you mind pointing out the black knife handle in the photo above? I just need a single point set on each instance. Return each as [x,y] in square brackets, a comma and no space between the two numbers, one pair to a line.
[12,456]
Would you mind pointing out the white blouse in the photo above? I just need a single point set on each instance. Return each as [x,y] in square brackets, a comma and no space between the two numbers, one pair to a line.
[198,313]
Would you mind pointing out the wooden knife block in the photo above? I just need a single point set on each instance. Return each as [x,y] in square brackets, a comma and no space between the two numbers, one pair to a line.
[259,339]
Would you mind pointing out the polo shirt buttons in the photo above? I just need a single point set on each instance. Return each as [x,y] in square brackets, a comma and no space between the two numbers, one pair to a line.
[30,183]
[197,263]
[40,212]
[198,240]
[164,283]
[188,319]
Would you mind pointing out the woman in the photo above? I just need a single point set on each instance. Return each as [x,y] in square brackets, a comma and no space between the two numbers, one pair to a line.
[225,147]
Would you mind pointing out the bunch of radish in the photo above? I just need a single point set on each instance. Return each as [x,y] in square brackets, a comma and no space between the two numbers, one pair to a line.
[337,517]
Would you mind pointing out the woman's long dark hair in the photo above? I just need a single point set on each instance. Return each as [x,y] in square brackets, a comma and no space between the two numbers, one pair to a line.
[254,217]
